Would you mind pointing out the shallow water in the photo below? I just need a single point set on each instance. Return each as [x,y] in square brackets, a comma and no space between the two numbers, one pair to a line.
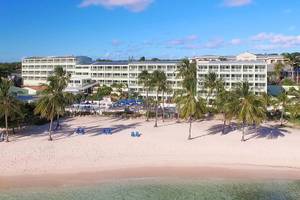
[158,189]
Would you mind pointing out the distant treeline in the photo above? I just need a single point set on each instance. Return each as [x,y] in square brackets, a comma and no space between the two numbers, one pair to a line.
[9,68]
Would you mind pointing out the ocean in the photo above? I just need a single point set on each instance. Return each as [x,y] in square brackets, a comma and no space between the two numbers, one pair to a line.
[164,189]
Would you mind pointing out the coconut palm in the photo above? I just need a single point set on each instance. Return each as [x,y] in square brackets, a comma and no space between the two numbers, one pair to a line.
[225,103]
[293,60]
[212,83]
[120,90]
[251,108]
[278,67]
[190,106]
[9,105]
[144,79]
[49,105]
[158,79]
[187,72]
[53,100]
[177,96]
[62,78]
[283,101]
[165,88]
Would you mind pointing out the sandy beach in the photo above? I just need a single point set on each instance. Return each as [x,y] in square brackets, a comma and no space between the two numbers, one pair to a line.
[268,153]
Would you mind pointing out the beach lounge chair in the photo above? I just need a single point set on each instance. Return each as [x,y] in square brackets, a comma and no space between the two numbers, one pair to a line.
[135,134]
[80,131]
[106,131]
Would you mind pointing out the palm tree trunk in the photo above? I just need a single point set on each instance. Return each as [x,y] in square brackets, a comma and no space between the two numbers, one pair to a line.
[147,105]
[50,129]
[178,115]
[282,116]
[224,124]
[163,107]
[6,128]
[190,129]
[243,136]
[156,109]
[57,122]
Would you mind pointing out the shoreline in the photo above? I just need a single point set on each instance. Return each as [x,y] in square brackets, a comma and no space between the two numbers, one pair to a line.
[247,173]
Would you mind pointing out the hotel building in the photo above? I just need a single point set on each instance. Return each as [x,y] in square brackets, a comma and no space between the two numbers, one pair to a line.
[85,73]
[245,68]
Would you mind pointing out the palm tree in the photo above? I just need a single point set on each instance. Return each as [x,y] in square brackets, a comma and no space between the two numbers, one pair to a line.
[212,83]
[9,105]
[158,79]
[278,67]
[226,102]
[165,88]
[120,89]
[144,78]
[187,71]
[293,60]
[177,98]
[54,100]
[62,78]
[251,108]
[283,101]
[190,106]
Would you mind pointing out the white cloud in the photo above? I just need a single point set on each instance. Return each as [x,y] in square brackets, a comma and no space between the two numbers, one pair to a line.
[237,3]
[116,42]
[182,41]
[235,41]
[279,40]
[132,5]
[214,44]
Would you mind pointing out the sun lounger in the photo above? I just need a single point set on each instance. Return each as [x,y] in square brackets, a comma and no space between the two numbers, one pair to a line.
[106,131]
[135,134]
[80,131]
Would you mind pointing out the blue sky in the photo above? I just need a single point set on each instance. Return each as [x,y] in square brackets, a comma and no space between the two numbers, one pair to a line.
[117,29]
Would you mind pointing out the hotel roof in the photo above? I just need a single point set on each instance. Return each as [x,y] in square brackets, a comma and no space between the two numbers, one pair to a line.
[233,62]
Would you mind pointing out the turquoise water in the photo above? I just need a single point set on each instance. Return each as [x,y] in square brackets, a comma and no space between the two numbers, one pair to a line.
[165,190]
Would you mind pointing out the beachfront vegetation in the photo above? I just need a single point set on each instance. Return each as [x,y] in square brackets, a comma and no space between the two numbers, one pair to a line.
[251,109]
[9,106]
[190,105]
[7,69]
[293,61]
[159,80]
[53,100]
[145,80]
[212,83]
[225,104]
[103,91]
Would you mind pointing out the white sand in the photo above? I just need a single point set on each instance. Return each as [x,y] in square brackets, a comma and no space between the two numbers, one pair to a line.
[164,146]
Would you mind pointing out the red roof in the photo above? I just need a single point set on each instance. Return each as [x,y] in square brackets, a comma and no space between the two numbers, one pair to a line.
[37,88]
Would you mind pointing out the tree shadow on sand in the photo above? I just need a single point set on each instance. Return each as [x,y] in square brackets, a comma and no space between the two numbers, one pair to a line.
[268,132]
[253,132]
[219,129]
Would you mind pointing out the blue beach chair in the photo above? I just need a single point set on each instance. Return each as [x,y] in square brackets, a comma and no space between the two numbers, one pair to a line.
[135,134]
[106,131]
[80,131]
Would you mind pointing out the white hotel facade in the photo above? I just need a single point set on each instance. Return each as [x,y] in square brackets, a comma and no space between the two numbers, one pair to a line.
[245,67]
